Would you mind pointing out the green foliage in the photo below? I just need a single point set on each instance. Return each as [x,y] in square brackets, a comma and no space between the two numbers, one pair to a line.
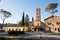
[21,23]
[24,21]
[51,8]
[6,14]
[3,38]
[16,33]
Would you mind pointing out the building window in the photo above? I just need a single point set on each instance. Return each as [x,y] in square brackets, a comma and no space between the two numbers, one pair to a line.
[38,19]
[9,29]
[37,10]
[58,23]
[12,29]
[19,29]
[59,26]
[16,29]
[58,29]
[38,16]
[55,29]
[49,23]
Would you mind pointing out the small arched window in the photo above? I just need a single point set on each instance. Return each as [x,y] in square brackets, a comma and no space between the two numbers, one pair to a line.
[58,23]
[9,30]
[16,29]
[49,23]
[12,29]
[19,29]
[55,29]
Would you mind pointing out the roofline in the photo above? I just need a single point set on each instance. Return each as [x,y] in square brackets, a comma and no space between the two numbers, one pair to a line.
[50,17]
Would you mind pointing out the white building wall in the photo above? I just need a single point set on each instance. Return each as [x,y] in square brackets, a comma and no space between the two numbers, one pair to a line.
[15,28]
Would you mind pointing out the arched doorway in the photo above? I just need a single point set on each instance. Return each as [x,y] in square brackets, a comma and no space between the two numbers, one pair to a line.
[41,29]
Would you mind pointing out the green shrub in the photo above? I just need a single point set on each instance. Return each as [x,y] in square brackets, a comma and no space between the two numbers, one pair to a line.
[3,38]
[15,32]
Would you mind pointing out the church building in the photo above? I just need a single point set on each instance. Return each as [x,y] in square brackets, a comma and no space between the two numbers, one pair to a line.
[53,24]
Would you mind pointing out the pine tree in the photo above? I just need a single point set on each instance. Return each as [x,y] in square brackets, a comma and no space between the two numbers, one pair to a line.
[51,8]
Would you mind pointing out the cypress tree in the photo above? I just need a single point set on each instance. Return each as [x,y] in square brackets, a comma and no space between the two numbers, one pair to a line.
[22,20]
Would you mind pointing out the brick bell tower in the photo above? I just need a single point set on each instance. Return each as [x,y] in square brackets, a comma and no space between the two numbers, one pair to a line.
[37,14]
[37,22]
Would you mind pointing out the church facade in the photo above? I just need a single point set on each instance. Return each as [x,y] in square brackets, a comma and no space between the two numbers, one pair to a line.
[53,23]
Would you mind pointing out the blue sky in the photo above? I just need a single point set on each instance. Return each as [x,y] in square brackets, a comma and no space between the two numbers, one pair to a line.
[16,7]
